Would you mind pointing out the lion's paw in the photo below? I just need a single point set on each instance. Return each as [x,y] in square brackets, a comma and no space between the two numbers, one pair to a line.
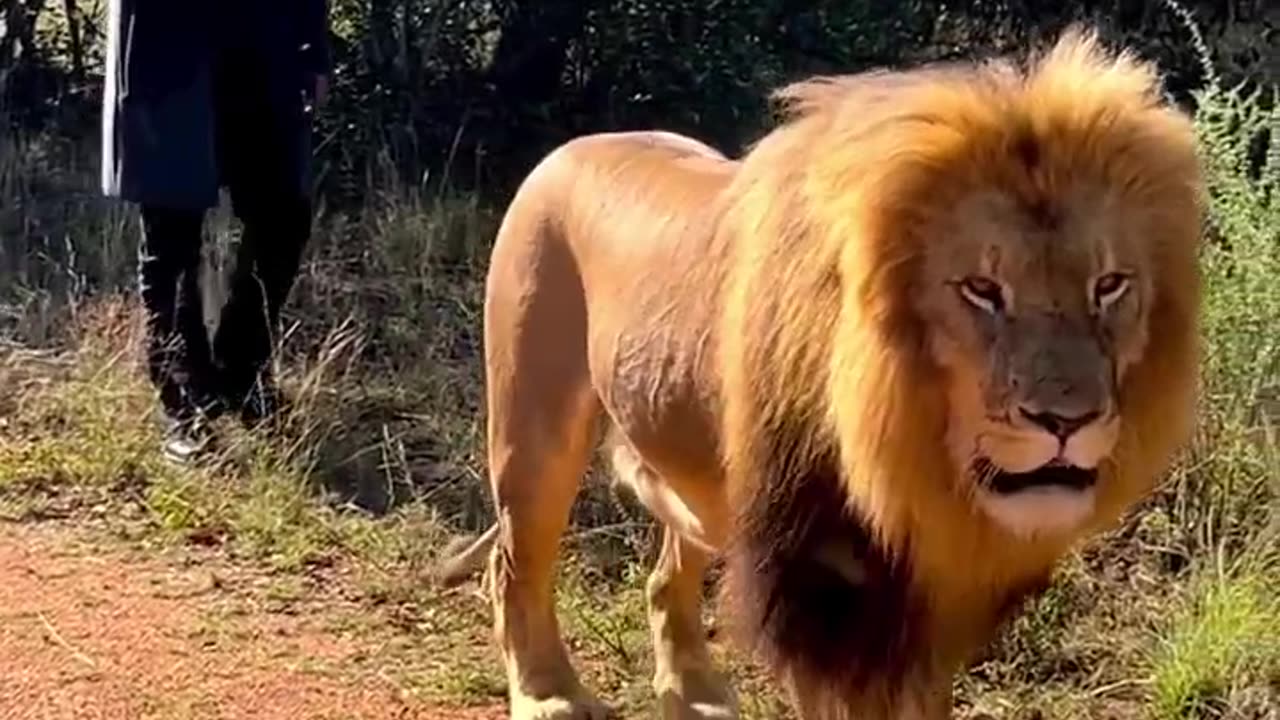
[582,706]
[696,695]
[677,708]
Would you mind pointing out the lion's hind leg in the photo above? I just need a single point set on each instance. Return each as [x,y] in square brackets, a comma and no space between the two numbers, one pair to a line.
[685,680]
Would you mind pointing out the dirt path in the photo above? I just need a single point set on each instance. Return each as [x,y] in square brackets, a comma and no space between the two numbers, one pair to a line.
[92,632]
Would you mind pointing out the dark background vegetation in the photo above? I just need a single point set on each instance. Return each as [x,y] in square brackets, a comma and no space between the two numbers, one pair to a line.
[473,91]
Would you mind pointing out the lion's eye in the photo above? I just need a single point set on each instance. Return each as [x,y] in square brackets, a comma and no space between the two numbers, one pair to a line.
[1109,288]
[983,293]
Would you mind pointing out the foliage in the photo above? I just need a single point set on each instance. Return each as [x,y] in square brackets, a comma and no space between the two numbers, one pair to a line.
[475,91]
[1225,501]
[1233,470]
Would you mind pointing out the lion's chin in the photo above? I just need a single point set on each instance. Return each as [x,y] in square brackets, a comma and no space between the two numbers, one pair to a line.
[1053,499]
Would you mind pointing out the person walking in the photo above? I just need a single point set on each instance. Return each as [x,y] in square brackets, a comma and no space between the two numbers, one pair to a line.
[202,95]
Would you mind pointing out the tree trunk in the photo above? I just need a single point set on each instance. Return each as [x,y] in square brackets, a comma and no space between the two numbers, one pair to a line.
[77,47]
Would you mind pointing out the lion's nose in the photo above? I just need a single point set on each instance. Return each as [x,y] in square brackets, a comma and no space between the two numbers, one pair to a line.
[1063,426]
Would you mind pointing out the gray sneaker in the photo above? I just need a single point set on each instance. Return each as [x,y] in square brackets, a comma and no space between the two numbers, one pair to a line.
[185,441]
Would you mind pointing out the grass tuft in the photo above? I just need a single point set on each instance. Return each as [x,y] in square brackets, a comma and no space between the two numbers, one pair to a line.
[1223,645]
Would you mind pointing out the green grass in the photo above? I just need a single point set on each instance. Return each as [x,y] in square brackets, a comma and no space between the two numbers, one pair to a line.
[1172,616]
[1220,650]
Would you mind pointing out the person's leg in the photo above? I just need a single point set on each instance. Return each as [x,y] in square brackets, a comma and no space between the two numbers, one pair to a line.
[178,356]
[259,138]
[271,246]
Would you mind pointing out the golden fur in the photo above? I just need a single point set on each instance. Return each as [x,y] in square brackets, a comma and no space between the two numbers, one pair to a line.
[794,381]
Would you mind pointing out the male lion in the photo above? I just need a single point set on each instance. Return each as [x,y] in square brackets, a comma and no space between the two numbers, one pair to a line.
[929,332]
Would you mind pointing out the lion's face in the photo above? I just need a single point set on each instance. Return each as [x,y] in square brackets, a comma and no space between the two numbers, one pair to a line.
[1035,314]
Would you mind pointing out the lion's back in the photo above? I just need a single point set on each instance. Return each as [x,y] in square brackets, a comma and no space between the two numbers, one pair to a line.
[622,224]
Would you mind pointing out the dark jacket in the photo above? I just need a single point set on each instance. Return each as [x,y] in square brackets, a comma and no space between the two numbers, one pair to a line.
[158,124]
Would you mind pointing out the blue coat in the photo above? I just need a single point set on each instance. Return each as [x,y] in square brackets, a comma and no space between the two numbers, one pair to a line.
[158,132]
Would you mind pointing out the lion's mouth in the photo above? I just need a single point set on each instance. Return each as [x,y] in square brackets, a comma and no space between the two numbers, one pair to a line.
[1052,475]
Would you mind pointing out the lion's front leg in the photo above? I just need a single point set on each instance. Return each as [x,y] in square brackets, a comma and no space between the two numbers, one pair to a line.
[687,685]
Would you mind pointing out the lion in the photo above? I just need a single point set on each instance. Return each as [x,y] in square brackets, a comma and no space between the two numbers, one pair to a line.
[934,328]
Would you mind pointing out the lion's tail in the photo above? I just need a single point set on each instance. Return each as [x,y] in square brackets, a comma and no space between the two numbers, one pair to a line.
[463,557]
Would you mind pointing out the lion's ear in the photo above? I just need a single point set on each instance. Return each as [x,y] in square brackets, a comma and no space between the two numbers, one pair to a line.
[805,582]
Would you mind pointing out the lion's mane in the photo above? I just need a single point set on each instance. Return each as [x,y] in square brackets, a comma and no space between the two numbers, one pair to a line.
[834,414]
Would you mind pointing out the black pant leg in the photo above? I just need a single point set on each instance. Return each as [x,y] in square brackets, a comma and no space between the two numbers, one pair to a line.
[267,261]
[178,354]
[257,159]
